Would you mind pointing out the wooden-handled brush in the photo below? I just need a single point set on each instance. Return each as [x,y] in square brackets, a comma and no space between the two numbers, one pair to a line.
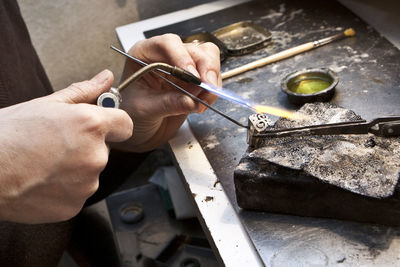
[287,53]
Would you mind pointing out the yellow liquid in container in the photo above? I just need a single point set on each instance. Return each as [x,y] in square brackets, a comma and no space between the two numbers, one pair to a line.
[309,86]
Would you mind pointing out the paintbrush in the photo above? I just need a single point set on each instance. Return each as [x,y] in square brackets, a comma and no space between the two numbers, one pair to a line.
[288,53]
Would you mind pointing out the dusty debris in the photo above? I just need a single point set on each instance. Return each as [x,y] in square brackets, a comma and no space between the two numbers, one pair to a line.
[341,260]
[208,198]
[363,164]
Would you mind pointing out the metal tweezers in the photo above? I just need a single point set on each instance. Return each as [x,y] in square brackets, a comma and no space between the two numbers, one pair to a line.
[384,126]
[195,98]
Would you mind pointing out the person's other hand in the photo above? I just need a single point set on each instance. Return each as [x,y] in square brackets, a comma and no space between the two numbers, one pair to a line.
[156,108]
[53,149]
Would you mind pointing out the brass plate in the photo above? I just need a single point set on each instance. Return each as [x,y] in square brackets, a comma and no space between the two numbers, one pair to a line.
[243,37]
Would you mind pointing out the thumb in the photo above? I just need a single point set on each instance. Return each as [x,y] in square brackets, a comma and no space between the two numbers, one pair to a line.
[86,91]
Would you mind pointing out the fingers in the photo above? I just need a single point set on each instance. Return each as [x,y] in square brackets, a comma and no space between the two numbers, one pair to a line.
[175,103]
[117,124]
[207,97]
[206,57]
[201,60]
[86,91]
[153,97]
[158,104]
[166,48]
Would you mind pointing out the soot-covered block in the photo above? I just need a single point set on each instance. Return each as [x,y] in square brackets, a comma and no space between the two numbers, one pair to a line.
[351,177]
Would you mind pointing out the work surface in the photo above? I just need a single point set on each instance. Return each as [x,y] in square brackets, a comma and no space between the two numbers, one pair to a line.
[368,68]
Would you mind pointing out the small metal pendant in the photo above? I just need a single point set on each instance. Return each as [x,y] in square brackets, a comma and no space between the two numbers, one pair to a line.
[258,124]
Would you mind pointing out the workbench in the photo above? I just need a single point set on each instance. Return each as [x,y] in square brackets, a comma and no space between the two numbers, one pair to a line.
[207,148]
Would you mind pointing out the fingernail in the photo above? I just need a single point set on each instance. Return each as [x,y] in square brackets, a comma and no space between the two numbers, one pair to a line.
[212,77]
[192,70]
[101,77]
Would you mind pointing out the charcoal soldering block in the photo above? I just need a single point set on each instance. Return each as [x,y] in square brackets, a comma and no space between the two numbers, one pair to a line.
[271,188]
[349,177]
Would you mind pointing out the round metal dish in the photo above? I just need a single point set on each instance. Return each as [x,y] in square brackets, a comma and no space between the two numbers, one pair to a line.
[323,74]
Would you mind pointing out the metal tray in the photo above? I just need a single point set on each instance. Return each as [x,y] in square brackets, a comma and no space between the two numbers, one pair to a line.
[242,37]
[203,37]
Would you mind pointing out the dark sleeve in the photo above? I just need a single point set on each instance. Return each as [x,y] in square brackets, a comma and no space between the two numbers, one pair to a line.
[119,167]
[22,78]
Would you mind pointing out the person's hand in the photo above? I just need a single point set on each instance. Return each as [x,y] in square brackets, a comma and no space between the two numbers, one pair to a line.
[156,108]
[53,149]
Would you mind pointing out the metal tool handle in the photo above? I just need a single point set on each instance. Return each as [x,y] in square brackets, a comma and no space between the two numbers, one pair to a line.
[110,99]
[113,97]
[388,129]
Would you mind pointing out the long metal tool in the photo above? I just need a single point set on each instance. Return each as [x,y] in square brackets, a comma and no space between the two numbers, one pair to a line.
[194,80]
[221,92]
[384,126]
[183,75]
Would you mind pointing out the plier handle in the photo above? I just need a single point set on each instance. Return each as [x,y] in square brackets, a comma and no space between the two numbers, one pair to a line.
[384,126]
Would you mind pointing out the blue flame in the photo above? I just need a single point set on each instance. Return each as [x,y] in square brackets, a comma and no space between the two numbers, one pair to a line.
[225,94]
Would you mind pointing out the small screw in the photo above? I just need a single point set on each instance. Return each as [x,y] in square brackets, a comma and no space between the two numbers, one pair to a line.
[131,213]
